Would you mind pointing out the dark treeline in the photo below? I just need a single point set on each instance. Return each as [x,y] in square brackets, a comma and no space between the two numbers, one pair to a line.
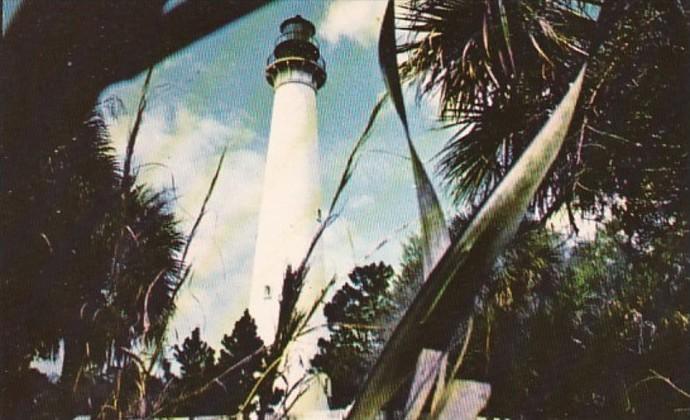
[564,328]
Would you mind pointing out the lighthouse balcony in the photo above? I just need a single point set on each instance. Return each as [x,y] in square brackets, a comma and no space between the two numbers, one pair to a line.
[277,65]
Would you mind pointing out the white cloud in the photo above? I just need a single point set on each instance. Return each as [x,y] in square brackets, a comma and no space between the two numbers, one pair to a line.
[357,20]
[222,252]
[185,146]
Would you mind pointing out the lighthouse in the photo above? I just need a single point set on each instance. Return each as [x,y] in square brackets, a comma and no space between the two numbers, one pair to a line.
[289,214]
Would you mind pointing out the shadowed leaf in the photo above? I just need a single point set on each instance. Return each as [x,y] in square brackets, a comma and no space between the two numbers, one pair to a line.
[435,235]
[448,287]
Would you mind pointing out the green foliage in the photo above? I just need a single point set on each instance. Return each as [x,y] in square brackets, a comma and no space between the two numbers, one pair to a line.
[498,85]
[242,343]
[500,68]
[561,332]
[456,273]
[190,394]
[207,386]
[97,274]
[576,329]
[197,368]
[580,335]
[196,358]
[354,317]
[524,272]
[75,180]
[406,285]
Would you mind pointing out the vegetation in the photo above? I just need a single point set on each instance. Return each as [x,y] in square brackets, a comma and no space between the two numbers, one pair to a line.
[207,385]
[501,66]
[564,328]
[197,363]
[354,316]
[448,293]
[103,255]
[575,108]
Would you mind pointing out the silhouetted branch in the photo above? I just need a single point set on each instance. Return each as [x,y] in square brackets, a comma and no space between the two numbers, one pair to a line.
[131,141]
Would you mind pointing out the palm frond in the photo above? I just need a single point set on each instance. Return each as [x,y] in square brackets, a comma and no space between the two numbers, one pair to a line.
[435,234]
[448,292]
[499,67]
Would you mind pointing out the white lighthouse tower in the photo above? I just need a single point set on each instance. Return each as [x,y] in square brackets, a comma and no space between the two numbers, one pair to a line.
[289,215]
[291,196]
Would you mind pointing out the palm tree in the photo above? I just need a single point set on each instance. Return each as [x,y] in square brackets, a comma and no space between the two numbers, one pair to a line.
[503,207]
[68,188]
[499,68]
[138,249]
[101,276]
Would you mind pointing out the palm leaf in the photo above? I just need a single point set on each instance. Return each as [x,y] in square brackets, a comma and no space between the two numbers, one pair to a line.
[435,235]
[499,67]
[488,231]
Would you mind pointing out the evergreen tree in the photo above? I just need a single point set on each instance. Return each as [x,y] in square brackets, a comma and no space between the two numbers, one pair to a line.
[207,387]
[242,346]
[197,367]
[354,318]
[195,356]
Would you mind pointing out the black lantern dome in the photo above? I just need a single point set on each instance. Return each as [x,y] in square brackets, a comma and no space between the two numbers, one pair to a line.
[296,48]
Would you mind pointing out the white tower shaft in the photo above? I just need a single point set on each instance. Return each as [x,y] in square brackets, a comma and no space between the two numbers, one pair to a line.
[290,201]
[289,215]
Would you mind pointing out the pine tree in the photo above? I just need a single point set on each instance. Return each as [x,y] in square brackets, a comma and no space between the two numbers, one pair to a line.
[195,357]
[354,318]
[238,347]
[197,367]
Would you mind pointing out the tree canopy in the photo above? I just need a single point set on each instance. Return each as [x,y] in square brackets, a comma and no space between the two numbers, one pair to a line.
[355,318]
[500,67]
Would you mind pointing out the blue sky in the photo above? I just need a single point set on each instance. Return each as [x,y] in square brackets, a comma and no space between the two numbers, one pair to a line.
[213,94]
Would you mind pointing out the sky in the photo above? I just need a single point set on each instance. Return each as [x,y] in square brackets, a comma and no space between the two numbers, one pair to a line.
[213,95]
